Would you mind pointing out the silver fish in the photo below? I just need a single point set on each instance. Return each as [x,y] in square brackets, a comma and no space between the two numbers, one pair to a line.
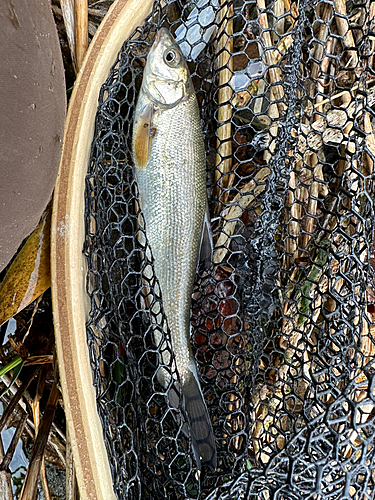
[169,157]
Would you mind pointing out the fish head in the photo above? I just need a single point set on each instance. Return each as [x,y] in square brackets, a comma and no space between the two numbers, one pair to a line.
[166,78]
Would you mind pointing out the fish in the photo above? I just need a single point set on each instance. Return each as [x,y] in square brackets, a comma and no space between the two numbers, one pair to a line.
[170,173]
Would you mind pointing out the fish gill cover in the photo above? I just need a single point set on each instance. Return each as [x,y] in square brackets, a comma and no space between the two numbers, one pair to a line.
[283,319]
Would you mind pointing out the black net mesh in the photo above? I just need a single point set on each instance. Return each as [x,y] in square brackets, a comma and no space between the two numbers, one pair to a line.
[283,321]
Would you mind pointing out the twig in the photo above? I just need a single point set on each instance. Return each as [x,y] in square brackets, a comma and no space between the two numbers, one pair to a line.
[81,30]
[71,481]
[56,442]
[277,92]
[293,194]
[240,203]
[36,415]
[13,403]
[320,84]
[5,478]
[345,32]
[28,491]
[341,94]
[293,9]
[372,45]
[370,143]
[96,12]
[12,447]
[367,341]
[322,36]
[35,309]
[225,92]
[279,20]
[313,193]
[274,72]
[293,227]
[310,194]
[38,360]
[67,7]
[267,402]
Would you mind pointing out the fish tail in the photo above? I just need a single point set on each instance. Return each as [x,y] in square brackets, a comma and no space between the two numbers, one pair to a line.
[202,435]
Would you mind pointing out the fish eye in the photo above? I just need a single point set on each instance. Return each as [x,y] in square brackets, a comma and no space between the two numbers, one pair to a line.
[172,57]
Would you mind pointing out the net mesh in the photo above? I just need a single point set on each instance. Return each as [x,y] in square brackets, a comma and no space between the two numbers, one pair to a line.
[283,321]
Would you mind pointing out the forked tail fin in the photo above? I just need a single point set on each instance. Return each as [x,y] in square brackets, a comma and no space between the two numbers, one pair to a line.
[202,435]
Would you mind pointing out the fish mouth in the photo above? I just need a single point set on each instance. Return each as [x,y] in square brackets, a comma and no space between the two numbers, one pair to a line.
[159,35]
[157,39]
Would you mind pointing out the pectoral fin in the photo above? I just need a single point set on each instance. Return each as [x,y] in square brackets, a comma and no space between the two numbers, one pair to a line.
[143,135]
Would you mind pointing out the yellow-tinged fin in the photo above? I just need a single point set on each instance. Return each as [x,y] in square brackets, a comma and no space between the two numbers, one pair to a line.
[143,134]
[29,274]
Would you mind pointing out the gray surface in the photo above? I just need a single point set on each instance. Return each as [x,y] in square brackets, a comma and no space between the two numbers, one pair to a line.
[32,110]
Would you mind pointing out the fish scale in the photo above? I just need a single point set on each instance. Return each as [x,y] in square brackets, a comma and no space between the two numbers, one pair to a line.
[170,172]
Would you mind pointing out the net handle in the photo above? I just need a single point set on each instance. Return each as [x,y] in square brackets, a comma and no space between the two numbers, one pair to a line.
[69,298]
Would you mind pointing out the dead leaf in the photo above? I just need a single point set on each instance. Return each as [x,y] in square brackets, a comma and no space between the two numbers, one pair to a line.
[29,275]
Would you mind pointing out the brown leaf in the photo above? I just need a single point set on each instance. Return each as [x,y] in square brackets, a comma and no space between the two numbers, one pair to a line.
[29,275]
